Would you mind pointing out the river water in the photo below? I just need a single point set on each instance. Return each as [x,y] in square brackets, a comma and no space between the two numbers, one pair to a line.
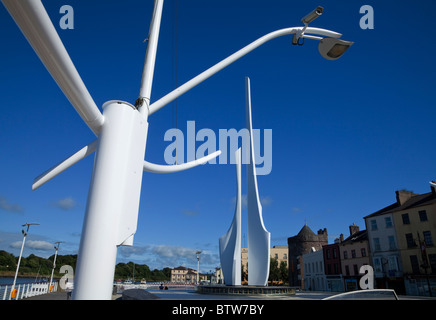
[4,281]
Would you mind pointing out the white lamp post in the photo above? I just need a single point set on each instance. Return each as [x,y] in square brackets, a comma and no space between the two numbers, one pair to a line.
[56,247]
[113,199]
[198,266]
[21,253]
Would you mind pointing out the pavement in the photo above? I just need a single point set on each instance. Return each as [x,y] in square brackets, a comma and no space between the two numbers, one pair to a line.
[61,296]
[140,294]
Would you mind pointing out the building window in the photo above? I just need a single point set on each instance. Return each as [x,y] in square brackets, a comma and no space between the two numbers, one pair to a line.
[353,253]
[405,217]
[422,215]
[347,270]
[356,272]
[285,256]
[410,241]
[335,254]
[392,243]
[393,263]
[388,221]
[432,261]
[377,265]
[377,244]
[427,238]
[345,254]
[327,252]
[363,251]
[373,225]
[415,264]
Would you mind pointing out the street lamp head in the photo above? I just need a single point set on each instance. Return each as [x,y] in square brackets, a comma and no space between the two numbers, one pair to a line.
[332,49]
[30,224]
[313,15]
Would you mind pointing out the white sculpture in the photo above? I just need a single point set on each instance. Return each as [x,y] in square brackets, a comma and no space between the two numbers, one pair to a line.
[258,236]
[230,243]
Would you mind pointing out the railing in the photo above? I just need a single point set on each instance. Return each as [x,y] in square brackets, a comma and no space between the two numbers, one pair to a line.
[26,290]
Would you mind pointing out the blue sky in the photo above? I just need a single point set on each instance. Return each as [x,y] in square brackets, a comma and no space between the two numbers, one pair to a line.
[346,133]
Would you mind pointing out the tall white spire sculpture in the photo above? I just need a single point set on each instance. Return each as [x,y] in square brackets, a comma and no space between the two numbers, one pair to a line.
[230,243]
[258,236]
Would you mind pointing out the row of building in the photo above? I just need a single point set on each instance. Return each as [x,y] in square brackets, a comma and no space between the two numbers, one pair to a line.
[186,275]
[397,243]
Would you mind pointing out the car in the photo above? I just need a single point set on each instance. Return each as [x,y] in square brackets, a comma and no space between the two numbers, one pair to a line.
[370,294]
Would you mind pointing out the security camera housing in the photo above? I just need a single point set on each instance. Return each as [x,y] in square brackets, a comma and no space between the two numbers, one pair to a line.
[313,15]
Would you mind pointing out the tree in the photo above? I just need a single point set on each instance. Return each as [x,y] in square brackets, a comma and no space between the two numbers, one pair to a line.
[7,261]
[244,274]
[284,271]
[274,272]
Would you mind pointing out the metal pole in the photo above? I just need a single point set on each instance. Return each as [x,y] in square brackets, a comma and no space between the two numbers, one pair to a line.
[21,253]
[143,101]
[18,265]
[198,266]
[57,244]
[113,201]
[232,58]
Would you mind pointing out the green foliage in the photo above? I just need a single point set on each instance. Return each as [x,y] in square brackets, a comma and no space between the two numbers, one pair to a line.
[138,272]
[33,265]
[277,273]
[7,261]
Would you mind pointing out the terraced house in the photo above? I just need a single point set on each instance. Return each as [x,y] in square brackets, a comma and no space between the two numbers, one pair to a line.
[401,243]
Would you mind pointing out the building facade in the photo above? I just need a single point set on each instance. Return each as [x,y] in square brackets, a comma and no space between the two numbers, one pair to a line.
[415,223]
[280,253]
[354,253]
[186,275]
[401,244]
[276,252]
[332,267]
[313,277]
[385,254]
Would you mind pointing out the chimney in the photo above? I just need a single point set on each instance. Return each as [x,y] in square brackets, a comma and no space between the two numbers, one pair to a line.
[433,187]
[353,229]
[403,196]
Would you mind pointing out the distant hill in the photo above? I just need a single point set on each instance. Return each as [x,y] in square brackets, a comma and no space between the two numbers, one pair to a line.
[37,266]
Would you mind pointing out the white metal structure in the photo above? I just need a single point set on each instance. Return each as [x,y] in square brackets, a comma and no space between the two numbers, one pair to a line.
[121,130]
[230,243]
[21,253]
[198,266]
[56,247]
[258,236]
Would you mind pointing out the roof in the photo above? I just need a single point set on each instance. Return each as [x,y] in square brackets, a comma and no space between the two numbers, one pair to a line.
[415,201]
[306,233]
[355,237]
[180,268]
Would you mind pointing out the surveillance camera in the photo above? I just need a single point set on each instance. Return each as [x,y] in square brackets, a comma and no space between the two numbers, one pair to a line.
[313,15]
[332,49]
